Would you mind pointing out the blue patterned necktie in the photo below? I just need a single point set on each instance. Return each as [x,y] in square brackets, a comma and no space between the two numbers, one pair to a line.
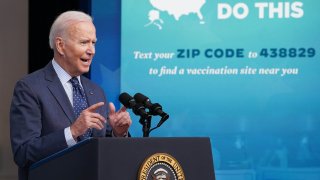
[79,103]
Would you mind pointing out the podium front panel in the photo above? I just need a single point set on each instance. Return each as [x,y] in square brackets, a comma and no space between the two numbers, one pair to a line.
[121,158]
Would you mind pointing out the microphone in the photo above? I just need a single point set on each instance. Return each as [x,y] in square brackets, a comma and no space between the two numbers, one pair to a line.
[130,103]
[154,108]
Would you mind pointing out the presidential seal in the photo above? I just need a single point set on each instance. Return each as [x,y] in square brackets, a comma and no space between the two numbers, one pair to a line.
[161,166]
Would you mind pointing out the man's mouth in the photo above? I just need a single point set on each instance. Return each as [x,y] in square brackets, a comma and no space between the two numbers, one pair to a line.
[85,60]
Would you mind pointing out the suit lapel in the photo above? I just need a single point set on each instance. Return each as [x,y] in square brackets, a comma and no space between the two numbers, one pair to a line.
[55,87]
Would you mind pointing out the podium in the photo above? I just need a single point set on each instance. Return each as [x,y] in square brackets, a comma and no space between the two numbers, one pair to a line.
[122,159]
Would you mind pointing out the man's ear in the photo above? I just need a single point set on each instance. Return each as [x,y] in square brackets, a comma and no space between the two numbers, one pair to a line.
[59,45]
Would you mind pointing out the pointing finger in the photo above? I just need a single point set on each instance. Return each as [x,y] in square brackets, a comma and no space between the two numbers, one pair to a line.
[112,109]
[94,107]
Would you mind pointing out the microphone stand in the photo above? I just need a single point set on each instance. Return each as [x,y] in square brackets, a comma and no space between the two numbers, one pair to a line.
[146,124]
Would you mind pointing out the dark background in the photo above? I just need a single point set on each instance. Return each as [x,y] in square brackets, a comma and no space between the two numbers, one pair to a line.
[41,16]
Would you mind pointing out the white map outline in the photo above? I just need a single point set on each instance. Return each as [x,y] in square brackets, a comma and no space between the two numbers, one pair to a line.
[175,8]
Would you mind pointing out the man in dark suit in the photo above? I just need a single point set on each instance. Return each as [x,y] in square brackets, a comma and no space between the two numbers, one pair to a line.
[43,115]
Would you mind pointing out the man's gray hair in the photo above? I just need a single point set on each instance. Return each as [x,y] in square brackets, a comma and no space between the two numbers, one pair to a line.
[63,22]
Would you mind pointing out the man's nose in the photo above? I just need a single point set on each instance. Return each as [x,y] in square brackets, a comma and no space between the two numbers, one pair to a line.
[91,49]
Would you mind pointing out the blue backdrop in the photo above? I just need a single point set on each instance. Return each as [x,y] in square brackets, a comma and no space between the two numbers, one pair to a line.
[245,73]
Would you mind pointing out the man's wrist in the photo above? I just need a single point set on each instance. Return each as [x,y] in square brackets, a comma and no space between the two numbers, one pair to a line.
[69,138]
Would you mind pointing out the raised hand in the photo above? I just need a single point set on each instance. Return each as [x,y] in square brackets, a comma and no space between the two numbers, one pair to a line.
[88,119]
[120,121]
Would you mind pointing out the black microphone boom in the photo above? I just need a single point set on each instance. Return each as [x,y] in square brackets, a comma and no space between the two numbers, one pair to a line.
[154,108]
[129,102]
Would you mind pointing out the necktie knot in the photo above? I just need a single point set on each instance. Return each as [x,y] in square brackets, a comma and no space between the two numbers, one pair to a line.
[74,81]
[76,86]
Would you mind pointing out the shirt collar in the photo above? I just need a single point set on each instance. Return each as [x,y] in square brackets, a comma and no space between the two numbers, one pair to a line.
[62,74]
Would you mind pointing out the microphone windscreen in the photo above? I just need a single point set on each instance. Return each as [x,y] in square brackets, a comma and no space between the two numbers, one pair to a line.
[140,98]
[125,99]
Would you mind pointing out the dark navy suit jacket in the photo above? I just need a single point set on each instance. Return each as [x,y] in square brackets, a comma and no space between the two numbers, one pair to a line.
[40,111]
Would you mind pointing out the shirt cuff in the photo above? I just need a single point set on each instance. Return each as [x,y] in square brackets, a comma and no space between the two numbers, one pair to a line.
[68,136]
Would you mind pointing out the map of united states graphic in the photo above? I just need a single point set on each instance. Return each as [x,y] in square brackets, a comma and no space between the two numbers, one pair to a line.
[175,8]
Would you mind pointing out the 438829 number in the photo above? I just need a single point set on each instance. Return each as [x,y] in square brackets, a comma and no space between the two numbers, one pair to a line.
[288,52]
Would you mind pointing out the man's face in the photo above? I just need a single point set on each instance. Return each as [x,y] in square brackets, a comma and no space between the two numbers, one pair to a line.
[79,48]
